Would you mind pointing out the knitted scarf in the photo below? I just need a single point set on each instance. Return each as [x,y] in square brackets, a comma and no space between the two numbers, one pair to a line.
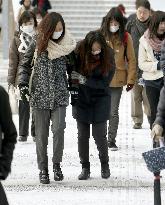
[63,48]
[25,41]
[154,42]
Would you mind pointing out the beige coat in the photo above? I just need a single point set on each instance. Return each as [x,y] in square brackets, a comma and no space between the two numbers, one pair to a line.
[125,72]
[147,61]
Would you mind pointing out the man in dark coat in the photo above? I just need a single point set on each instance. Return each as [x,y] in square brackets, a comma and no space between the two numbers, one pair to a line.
[136,27]
[8,135]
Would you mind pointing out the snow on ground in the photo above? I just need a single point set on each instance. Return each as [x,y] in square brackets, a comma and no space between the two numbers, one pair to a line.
[130,182]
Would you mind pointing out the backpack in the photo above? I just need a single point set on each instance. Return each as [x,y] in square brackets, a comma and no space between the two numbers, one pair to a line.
[125,40]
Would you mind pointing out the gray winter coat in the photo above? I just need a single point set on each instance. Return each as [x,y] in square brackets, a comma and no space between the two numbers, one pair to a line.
[136,29]
[162,58]
[49,81]
[160,117]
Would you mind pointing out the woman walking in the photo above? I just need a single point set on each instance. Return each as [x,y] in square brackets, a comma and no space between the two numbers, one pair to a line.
[149,60]
[94,71]
[49,94]
[121,42]
[19,44]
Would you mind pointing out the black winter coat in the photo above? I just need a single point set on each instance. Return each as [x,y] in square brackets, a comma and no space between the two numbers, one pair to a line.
[9,133]
[160,116]
[93,103]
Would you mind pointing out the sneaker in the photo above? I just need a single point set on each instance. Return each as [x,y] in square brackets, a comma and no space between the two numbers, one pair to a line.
[105,171]
[112,146]
[85,174]
[58,175]
[44,177]
[137,126]
[22,138]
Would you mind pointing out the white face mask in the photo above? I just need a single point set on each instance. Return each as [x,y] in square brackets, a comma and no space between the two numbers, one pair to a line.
[27,29]
[96,52]
[57,35]
[114,29]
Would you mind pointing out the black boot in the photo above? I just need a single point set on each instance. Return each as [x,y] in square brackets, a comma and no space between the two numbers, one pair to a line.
[105,171]
[85,174]
[58,176]
[44,177]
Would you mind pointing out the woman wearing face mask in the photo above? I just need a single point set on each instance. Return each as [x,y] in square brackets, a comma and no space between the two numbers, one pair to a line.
[113,29]
[25,6]
[149,60]
[94,71]
[49,94]
[19,44]
[39,15]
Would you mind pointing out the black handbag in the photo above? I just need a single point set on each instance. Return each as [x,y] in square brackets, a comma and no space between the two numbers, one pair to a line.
[155,159]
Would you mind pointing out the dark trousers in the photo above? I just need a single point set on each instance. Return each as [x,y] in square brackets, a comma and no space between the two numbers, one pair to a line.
[3,199]
[114,113]
[153,98]
[42,121]
[99,131]
[24,115]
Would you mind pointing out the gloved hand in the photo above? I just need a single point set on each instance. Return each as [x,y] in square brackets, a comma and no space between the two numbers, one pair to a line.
[129,87]
[74,95]
[78,78]
[156,132]
[24,93]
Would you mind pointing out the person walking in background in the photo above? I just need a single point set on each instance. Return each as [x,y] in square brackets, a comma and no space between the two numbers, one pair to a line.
[149,60]
[42,5]
[49,93]
[8,135]
[94,71]
[19,44]
[136,28]
[121,7]
[39,15]
[118,39]
[25,6]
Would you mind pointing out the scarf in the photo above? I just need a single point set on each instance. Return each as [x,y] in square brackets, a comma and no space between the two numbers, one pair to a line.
[141,26]
[154,42]
[25,41]
[63,48]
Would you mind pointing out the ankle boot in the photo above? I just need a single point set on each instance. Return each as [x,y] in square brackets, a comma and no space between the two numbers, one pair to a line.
[85,174]
[44,177]
[58,176]
[105,171]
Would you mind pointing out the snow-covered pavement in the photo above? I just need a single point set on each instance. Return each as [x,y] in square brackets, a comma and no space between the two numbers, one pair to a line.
[130,182]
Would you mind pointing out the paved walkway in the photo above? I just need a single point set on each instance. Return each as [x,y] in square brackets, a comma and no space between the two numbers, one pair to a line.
[130,182]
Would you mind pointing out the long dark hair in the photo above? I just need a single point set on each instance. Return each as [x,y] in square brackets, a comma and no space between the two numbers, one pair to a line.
[113,14]
[156,18]
[85,55]
[46,29]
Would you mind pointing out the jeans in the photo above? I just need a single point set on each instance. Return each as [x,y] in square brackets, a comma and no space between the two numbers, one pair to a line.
[42,122]
[153,98]
[99,131]
[114,113]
